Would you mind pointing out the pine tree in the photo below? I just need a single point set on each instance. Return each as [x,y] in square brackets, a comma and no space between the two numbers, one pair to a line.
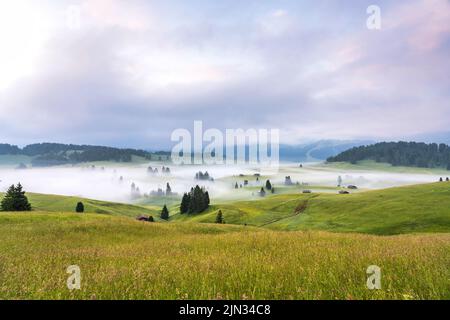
[165,213]
[168,190]
[208,200]
[219,217]
[15,200]
[151,219]
[268,185]
[80,207]
[184,207]
[195,201]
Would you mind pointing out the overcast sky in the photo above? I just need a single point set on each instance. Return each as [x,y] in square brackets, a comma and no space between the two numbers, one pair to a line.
[127,73]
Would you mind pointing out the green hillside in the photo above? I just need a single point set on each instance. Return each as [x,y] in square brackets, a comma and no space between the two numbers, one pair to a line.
[55,203]
[412,209]
[120,258]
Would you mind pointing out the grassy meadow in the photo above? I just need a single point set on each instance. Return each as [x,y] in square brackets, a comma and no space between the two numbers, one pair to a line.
[284,246]
[55,203]
[125,259]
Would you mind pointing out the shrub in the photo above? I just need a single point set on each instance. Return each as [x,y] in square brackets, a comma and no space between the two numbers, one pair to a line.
[80,207]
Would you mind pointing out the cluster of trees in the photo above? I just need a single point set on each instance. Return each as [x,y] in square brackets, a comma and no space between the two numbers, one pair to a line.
[154,171]
[160,192]
[203,176]
[195,201]
[269,188]
[15,200]
[410,154]
[50,154]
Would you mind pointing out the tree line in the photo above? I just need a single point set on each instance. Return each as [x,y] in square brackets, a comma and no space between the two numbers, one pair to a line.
[50,154]
[410,154]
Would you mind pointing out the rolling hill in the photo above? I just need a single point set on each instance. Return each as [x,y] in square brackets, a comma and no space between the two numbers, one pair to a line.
[412,209]
[55,203]
[402,210]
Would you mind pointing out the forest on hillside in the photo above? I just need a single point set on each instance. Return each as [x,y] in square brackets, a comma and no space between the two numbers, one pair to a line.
[50,154]
[411,154]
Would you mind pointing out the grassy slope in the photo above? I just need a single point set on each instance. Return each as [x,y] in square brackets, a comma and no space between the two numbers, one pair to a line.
[421,208]
[124,259]
[55,203]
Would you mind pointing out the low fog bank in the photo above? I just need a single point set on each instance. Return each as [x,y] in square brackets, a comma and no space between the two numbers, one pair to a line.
[112,183]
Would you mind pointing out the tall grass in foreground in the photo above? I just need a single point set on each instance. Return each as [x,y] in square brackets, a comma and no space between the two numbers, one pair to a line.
[124,259]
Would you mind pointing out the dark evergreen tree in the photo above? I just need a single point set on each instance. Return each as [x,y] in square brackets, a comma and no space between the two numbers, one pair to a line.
[219,217]
[236,186]
[208,200]
[184,207]
[15,200]
[195,201]
[168,190]
[151,219]
[268,185]
[165,213]
[273,190]
[80,207]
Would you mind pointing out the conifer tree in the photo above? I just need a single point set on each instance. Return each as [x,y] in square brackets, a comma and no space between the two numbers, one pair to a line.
[219,217]
[80,207]
[165,213]
[184,207]
[15,200]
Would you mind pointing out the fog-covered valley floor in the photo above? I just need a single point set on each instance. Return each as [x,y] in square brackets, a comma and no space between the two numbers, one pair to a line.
[112,182]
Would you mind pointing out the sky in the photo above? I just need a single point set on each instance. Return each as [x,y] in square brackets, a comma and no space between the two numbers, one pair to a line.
[128,73]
